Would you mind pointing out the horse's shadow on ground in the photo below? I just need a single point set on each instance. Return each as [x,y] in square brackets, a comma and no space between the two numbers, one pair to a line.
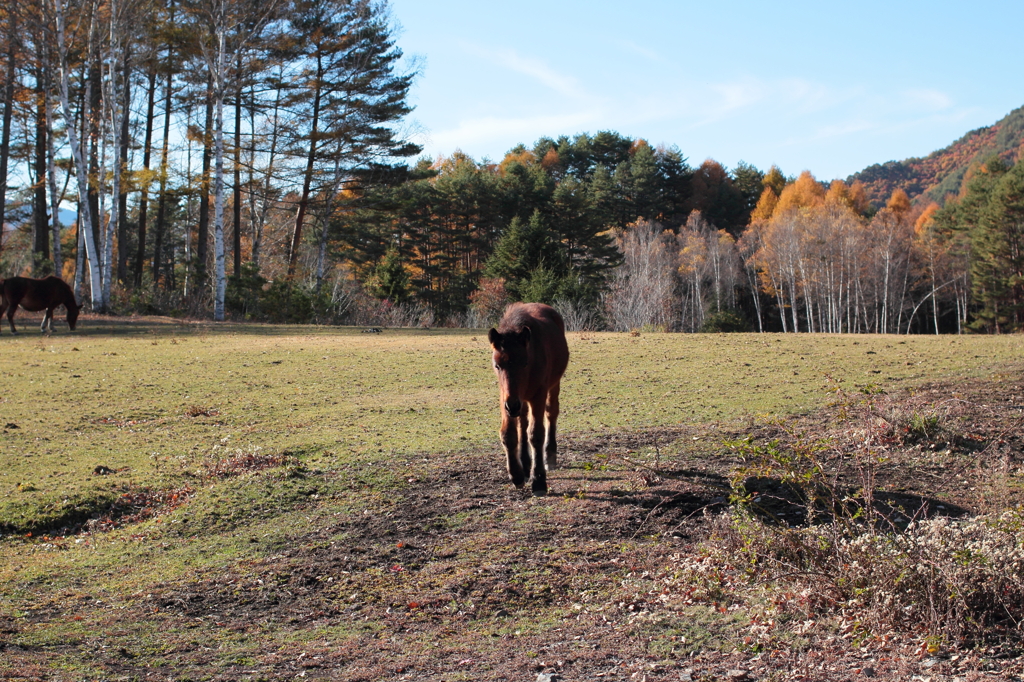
[686,493]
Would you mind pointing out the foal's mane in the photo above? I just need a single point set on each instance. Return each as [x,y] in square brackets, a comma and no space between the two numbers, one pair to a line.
[515,319]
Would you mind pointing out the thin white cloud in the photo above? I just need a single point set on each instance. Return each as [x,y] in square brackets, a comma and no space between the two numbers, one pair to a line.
[828,132]
[531,67]
[480,132]
[932,100]
[850,110]
[730,97]
[796,96]
[645,52]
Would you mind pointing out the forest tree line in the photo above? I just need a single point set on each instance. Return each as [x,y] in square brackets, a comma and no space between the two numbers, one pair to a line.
[250,159]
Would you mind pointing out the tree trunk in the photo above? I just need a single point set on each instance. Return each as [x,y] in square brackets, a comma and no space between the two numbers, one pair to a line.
[79,256]
[51,174]
[307,178]
[85,227]
[203,234]
[117,113]
[237,208]
[122,197]
[5,134]
[161,210]
[147,150]
[259,217]
[40,219]
[92,121]
[220,279]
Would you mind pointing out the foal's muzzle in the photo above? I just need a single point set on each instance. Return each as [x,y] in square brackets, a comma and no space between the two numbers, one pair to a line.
[513,407]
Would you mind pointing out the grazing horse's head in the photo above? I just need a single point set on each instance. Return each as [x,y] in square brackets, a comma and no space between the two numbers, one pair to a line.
[72,309]
[511,364]
[70,304]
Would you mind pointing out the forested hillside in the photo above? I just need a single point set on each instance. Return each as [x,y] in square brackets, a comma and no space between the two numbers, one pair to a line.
[942,173]
[248,161]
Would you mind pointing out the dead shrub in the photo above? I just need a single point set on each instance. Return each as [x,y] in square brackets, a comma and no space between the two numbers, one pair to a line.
[948,580]
[834,549]
[243,461]
[193,411]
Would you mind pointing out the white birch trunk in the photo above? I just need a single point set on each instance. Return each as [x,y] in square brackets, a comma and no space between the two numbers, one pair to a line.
[82,179]
[51,173]
[111,104]
[102,203]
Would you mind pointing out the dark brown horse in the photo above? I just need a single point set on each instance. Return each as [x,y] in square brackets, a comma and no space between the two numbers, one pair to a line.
[35,295]
[530,356]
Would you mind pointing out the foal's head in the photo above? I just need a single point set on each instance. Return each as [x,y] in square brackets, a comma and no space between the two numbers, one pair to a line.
[511,364]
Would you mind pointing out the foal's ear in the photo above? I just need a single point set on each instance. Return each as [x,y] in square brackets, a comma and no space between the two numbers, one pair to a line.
[525,334]
[494,337]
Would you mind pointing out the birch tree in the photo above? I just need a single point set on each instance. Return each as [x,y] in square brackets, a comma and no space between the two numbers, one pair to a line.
[221,41]
[643,285]
[84,10]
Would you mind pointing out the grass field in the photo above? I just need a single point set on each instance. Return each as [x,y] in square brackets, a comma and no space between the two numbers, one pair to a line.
[215,501]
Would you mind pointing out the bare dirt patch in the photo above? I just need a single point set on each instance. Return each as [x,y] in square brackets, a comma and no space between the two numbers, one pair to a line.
[454,575]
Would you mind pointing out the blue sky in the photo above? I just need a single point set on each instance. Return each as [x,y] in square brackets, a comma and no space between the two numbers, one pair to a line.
[825,87]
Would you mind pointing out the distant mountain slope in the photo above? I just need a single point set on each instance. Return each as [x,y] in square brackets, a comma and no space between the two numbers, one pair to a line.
[942,172]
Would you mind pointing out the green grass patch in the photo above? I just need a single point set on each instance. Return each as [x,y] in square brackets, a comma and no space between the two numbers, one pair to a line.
[206,456]
[150,403]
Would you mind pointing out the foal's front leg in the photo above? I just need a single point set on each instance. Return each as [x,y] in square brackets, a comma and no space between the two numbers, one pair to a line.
[524,441]
[550,446]
[540,477]
[47,321]
[510,440]
[10,317]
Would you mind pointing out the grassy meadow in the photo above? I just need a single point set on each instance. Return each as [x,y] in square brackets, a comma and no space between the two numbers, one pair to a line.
[231,446]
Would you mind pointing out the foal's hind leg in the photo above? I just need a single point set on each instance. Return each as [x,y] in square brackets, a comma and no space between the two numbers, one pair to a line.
[47,321]
[551,413]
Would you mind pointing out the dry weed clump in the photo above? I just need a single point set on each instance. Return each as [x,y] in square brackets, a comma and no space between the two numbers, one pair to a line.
[946,580]
[246,461]
[193,411]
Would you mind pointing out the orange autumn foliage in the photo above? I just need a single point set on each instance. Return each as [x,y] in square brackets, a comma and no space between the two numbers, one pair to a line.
[859,199]
[926,219]
[765,206]
[524,157]
[806,192]
[775,179]
[899,202]
[550,160]
[838,194]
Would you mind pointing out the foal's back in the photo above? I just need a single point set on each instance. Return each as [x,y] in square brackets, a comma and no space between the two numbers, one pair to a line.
[551,351]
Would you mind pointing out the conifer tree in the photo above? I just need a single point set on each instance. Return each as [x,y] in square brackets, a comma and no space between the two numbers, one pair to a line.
[998,272]
[349,94]
[523,250]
